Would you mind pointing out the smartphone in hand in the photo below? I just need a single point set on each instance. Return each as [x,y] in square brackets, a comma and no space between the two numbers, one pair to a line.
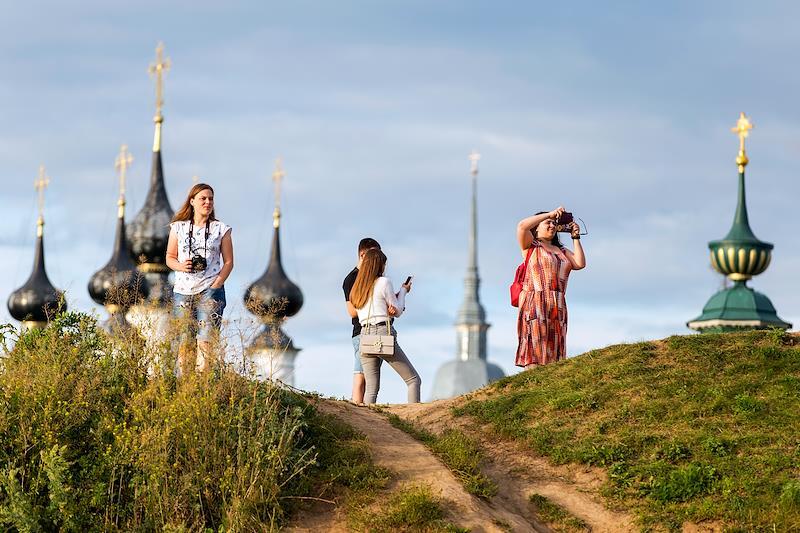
[408,280]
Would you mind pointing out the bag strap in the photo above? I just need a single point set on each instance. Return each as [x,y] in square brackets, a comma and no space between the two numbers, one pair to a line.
[527,260]
[371,298]
[525,269]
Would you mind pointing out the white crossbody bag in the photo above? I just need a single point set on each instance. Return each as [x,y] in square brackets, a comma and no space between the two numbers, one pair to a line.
[376,344]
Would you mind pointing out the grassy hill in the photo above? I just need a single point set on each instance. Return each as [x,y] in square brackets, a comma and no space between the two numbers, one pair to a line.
[693,428]
[96,436]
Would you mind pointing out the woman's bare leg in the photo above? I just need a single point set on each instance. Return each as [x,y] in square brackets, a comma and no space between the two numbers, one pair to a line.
[359,385]
[204,356]
[187,357]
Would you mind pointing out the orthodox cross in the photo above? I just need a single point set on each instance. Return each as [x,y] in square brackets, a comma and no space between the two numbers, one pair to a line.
[474,157]
[158,70]
[40,184]
[742,129]
[277,177]
[123,161]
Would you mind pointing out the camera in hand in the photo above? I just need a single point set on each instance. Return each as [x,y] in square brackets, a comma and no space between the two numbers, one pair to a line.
[199,263]
[563,222]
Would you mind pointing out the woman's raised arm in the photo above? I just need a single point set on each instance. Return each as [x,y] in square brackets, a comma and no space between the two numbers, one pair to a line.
[524,235]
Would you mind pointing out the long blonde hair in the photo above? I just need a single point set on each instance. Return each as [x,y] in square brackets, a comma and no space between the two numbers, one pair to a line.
[372,267]
[186,212]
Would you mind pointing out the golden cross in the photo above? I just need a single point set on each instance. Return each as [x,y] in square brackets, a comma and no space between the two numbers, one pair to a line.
[474,157]
[40,184]
[123,161]
[277,177]
[742,129]
[158,70]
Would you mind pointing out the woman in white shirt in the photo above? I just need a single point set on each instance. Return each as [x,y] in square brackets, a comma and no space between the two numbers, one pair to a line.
[200,251]
[373,296]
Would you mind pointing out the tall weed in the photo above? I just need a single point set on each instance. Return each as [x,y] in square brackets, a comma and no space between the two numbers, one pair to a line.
[94,436]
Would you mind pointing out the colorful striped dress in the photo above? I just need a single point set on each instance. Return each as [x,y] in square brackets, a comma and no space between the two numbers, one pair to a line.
[542,321]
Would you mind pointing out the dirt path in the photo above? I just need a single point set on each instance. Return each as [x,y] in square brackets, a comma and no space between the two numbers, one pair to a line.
[414,465]
[516,471]
[519,474]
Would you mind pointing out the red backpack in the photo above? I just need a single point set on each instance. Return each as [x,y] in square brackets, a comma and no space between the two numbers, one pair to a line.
[519,277]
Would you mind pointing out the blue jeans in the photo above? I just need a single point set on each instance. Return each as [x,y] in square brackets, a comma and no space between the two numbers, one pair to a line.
[357,368]
[203,312]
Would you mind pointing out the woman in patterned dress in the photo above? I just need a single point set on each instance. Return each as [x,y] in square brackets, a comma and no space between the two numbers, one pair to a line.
[542,321]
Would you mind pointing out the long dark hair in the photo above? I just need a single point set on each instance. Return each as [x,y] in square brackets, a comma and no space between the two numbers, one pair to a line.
[186,212]
[555,241]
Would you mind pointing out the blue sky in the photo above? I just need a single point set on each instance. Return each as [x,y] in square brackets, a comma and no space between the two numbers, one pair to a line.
[619,111]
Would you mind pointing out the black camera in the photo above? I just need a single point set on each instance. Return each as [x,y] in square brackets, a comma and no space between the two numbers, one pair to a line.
[199,263]
[563,222]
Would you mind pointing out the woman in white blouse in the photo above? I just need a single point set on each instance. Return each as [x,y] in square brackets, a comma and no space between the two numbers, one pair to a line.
[373,297]
[200,251]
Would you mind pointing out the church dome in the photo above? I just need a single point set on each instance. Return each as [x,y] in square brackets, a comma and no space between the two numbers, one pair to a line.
[148,232]
[274,295]
[119,282]
[37,300]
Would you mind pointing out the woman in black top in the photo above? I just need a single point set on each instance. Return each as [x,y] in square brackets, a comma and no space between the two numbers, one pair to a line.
[359,384]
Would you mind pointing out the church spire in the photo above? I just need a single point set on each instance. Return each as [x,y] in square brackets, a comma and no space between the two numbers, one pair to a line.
[148,232]
[739,255]
[470,370]
[471,311]
[274,297]
[119,284]
[37,301]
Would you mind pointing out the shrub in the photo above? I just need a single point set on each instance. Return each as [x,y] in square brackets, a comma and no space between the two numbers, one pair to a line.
[413,508]
[89,441]
[682,484]
[790,494]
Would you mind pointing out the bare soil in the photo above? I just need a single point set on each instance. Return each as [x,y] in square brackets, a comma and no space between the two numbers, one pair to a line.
[517,472]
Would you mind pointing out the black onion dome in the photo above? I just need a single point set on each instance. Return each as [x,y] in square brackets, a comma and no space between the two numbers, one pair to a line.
[37,300]
[273,295]
[148,232]
[119,282]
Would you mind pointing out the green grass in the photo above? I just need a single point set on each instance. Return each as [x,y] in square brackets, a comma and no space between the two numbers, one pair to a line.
[413,509]
[692,428]
[556,516]
[343,469]
[458,452]
[90,441]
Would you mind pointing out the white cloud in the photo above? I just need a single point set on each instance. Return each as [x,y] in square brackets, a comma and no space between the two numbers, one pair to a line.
[374,110]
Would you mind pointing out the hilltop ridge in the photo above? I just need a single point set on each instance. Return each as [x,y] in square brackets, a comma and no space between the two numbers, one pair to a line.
[698,428]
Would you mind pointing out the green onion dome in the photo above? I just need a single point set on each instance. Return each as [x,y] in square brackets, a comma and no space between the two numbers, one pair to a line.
[740,255]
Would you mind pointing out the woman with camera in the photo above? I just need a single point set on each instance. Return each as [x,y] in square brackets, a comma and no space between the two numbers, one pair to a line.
[373,297]
[200,251]
[542,321]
